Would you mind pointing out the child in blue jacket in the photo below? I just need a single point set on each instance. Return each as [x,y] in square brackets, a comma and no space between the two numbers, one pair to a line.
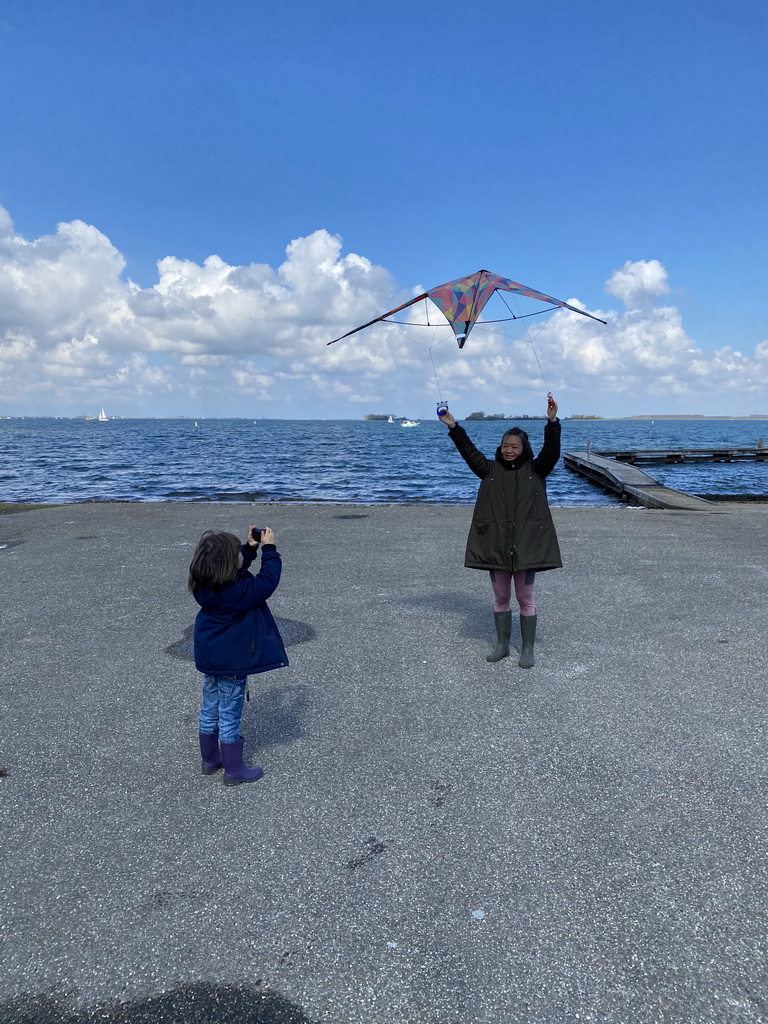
[235,636]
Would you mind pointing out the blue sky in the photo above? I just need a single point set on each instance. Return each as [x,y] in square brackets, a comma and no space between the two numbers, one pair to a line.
[388,149]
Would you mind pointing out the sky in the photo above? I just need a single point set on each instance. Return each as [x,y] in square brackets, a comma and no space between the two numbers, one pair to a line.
[195,198]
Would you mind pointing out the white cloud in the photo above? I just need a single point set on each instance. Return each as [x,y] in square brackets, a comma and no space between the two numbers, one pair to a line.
[215,339]
[16,347]
[639,283]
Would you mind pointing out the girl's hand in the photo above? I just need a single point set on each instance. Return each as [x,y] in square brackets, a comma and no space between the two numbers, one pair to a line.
[447,419]
[267,537]
[253,542]
[552,411]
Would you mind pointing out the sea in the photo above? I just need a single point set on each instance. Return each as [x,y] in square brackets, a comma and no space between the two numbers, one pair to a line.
[357,462]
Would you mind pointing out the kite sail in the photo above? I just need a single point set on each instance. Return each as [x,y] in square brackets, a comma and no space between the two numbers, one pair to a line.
[461,302]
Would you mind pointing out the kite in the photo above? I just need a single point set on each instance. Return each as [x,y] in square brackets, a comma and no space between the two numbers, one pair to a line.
[461,302]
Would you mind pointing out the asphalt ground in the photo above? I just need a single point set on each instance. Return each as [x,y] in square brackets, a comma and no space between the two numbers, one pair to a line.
[436,840]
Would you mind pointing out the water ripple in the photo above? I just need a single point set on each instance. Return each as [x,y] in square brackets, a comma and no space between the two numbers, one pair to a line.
[340,461]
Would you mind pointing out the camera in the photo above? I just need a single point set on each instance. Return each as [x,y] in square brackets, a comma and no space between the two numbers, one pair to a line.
[256,534]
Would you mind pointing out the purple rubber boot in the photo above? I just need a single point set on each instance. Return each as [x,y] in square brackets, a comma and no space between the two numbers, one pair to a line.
[209,751]
[235,771]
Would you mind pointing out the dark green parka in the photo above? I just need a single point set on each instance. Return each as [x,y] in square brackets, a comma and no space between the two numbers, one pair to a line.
[512,525]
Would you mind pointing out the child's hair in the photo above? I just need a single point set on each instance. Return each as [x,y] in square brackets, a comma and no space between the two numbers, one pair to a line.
[215,561]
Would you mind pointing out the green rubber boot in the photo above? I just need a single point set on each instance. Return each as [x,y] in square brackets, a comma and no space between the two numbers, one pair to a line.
[503,622]
[528,633]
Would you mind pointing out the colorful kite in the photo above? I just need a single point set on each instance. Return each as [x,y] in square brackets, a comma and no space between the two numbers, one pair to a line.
[461,302]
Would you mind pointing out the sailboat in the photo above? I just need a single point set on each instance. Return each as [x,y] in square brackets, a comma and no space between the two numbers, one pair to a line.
[391,418]
[103,416]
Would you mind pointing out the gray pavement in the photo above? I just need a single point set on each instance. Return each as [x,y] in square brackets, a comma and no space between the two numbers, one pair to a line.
[436,840]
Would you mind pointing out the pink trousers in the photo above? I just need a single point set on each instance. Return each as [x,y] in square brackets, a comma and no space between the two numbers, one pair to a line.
[501,581]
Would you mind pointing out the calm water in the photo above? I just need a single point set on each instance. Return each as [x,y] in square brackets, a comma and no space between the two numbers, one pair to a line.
[350,461]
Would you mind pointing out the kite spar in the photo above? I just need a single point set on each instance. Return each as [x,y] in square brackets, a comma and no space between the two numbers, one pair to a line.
[461,302]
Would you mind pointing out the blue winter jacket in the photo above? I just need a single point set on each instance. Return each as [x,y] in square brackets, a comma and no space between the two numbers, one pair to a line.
[235,633]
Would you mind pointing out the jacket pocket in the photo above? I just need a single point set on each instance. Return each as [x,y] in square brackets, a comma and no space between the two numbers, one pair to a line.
[536,544]
[482,542]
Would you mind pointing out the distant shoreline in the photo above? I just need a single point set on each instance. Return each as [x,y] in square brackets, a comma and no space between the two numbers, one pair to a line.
[754,418]
[691,416]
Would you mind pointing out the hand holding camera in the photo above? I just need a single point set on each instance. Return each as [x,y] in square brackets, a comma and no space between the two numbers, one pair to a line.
[263,536]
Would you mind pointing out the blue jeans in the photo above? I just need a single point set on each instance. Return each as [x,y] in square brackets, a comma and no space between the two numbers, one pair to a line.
[222,706]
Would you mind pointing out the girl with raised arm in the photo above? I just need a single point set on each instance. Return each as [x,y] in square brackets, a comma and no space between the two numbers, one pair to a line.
[512,535]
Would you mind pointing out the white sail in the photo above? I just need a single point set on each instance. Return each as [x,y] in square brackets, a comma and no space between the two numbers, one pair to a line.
[103,416]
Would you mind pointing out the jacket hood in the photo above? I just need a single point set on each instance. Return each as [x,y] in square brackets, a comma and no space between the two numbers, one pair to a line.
[212,600]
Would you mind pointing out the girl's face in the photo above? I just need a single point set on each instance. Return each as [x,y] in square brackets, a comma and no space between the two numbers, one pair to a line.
[239,559]
[511,447]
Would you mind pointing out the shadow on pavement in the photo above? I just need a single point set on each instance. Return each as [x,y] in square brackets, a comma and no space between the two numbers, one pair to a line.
[199,1003]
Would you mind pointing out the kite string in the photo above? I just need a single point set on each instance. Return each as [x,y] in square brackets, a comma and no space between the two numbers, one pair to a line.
[530,340]
[544,379]
[437,382]
[429,348]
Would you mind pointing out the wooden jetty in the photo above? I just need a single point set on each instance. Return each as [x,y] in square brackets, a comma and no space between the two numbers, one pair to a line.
[632,484]
[677,455]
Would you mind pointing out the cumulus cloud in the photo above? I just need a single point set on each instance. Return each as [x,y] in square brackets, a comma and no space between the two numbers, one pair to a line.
[638,283]
[216,339]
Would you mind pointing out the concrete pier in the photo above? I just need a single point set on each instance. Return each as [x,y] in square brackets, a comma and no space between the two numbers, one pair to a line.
[436,839]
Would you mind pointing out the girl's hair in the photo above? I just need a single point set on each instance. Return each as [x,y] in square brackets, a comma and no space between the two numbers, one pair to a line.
[215,562]
[527,450]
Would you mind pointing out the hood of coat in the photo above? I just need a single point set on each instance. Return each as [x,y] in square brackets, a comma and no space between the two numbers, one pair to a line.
[215,600]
